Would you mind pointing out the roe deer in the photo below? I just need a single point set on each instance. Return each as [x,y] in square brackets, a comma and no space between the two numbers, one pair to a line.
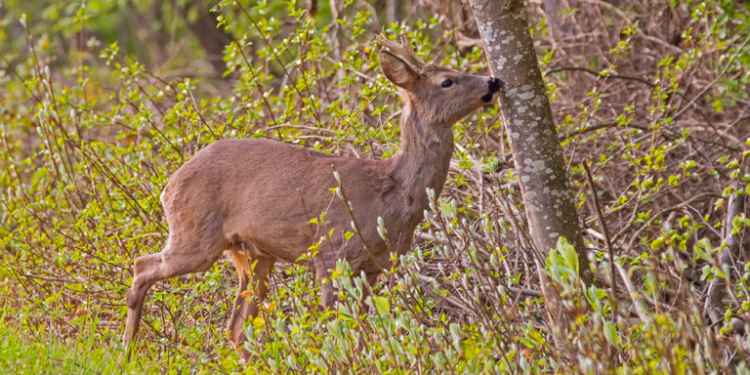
[254,198]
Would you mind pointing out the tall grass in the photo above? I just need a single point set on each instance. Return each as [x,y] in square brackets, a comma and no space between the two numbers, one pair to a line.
[37,352]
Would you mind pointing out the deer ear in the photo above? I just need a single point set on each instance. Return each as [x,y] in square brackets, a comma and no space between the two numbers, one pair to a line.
[397,70]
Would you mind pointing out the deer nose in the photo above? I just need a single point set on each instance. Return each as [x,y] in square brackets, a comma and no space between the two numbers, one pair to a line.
[495,85]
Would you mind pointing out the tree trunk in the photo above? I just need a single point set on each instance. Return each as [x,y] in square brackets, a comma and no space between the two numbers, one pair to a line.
[717,289]
[390,11]
[203,27]
[154,42]
[528,119]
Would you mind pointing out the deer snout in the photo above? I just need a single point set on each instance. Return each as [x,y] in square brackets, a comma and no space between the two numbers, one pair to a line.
[494,86]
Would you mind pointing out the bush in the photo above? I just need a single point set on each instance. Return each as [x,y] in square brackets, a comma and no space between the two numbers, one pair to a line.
[653,94]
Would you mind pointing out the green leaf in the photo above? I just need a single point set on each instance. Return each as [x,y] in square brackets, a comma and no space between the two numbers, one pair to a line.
[569,254]
[684,221]
[382,305]
[610,333]
[334,328]
[703,249]
[449,209]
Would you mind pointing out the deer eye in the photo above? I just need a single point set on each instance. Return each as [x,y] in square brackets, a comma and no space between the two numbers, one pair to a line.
[447,83]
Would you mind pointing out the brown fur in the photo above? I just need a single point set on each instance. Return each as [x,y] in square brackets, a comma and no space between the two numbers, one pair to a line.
[255,197]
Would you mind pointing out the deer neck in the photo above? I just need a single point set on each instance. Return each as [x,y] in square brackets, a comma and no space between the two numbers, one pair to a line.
[424,157]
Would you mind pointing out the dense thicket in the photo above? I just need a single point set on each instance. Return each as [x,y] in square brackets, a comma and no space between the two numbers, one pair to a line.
[101,100]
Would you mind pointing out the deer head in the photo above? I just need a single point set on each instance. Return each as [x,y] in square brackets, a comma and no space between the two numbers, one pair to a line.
[441,96]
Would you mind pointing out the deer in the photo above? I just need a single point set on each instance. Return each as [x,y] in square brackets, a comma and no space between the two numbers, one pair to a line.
[252,199]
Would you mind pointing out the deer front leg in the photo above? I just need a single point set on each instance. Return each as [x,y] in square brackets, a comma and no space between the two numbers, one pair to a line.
[146,273]
[176,259]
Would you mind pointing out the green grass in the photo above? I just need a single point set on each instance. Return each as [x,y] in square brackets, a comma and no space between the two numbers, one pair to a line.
[48,355]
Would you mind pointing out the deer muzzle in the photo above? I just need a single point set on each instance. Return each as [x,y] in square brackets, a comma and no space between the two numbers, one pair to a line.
[494,86]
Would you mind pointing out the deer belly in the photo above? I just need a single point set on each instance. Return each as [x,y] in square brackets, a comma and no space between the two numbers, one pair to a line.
[286,240]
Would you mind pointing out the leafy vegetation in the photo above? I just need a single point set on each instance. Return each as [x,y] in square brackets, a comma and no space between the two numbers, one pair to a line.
[35,353]
[101,100]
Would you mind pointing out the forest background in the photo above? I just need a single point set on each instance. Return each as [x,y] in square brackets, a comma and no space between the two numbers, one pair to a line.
[101,100]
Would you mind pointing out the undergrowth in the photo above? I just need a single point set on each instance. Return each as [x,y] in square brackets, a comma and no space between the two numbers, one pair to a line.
[32,353]
[659,109]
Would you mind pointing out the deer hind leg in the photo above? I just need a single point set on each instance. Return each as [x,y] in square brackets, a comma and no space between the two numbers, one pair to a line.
[372,279]
[322,264]
[244,307]
[177,258]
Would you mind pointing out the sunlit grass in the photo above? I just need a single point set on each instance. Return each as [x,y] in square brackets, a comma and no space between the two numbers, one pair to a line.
[39,353]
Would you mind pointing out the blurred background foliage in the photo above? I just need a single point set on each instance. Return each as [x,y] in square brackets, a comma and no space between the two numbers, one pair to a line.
[101,100]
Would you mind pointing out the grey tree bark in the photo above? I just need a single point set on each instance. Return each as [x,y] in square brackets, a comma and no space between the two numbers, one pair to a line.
[717,289]
[527,116]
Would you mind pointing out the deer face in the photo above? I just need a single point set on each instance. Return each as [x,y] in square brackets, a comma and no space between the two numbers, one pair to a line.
[439,95]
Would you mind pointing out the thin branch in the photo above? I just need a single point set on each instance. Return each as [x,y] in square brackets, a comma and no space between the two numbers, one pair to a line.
[607,238]
[598,74]
[723,72]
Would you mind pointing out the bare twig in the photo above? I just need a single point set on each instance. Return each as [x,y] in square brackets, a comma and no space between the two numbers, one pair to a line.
[632,292]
